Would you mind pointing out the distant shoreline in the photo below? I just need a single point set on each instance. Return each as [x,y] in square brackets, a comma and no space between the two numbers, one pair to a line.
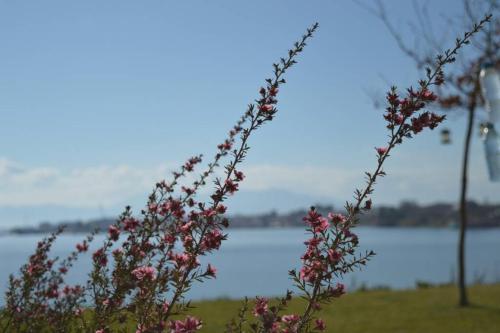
[31,233]
[407,214]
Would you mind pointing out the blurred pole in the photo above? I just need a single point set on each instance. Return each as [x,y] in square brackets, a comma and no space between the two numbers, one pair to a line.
[490,88]
[492,150]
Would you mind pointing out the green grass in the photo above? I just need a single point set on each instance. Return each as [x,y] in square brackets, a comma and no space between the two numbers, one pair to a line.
[424,310]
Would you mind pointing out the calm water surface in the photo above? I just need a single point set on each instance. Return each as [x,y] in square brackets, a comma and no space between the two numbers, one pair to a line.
[256,261]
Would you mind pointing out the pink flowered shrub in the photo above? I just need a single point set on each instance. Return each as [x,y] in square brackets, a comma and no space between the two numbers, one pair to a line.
[148,261]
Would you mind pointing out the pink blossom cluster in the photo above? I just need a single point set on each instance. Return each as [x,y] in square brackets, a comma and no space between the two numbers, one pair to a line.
[189,325]
[144,273]
[401,109]
[331,249]
[161,250]
[273,322]
[43,278]
[324,253]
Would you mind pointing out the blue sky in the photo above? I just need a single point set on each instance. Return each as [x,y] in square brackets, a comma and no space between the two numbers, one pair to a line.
[98,99]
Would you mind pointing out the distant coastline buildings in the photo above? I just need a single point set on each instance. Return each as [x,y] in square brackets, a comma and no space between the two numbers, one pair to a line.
[407,214]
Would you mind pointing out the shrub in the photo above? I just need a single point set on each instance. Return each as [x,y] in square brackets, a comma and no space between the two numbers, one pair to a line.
[146,264]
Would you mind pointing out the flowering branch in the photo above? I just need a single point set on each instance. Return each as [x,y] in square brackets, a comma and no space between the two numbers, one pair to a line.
[205,229]
[148,278]
[331,251]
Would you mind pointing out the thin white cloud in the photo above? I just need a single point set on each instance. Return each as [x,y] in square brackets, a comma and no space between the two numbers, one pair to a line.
[422,183]
[85,187]
[312,180]
[110,185]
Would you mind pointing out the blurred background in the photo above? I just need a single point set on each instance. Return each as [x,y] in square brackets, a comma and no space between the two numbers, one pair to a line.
[99,100]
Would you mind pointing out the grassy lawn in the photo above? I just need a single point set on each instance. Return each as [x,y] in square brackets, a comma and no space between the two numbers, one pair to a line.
[424,310]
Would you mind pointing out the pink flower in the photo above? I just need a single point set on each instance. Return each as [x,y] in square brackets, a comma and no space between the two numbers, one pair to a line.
[187,190]
[169,239]
[266,108]
[407,107]
[273,91]
[231,186]
[189,167]
[190,325]
[211,270]
[239,175]
[428,95]
[118,251]
[316,221]
[83,247]
[212,240]
[66,290]
[368,204]
[225,146]
[393,98]
[398,119]
[186,228]
[261,306]
[175,206]
[209,213]
[100,257]
[181,259]
[114,232]
[293,318]
[320,325]
[221,209]
[334,256]
[337,218]
[153,207]
[381,150]
[338,291]
[144,272]
[53,292]
[323,225]
[165,307]
[275,328]
[31,269]
[418,124]
[309,273]
[187,241]
[349,234]
[130,224]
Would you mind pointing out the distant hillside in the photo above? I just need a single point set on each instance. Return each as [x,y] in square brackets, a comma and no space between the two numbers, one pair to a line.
[407,214]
